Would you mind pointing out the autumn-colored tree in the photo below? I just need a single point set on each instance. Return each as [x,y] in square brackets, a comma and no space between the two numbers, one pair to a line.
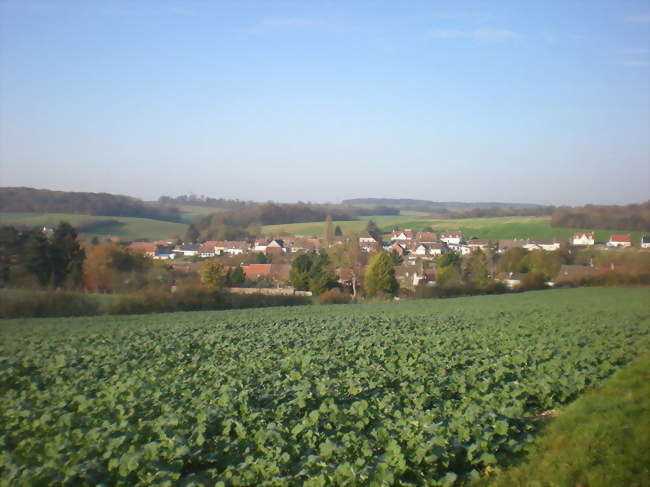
[212,274]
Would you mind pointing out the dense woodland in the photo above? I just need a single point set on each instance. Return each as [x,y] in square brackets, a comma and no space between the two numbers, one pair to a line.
[246,222]
[629,217]
[432,206]
[201,200]
[505,211]
[98,204]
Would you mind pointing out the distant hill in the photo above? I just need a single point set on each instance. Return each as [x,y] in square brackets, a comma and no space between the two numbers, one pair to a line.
[426,205]
[30,200]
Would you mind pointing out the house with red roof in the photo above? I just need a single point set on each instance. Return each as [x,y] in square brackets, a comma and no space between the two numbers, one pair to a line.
[620,240]
[147,248]
[426,237]
[406,234]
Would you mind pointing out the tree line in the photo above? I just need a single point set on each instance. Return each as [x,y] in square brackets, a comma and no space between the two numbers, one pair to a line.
[629,217]
[245,223]
[201,200]
[32,200]
[34,257]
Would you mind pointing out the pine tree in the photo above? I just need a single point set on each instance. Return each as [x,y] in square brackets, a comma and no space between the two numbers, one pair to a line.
[66,256]
[380,277]
[37,256]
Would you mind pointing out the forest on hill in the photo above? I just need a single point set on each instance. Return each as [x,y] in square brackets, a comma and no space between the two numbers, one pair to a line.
[629,217]
[246,222]
[30,200]
[435,206]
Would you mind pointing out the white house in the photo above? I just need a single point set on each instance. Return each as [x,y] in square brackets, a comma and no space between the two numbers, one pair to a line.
[260,245]
[645,242]
[478,244]
[406,234]
[189,250]
[620,240]
[451,238]
[548,244]
[583,238]
[463,249]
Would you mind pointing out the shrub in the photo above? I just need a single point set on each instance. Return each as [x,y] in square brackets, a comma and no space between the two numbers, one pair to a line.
[48,303]
[197,299]
[334,296]
[531,281]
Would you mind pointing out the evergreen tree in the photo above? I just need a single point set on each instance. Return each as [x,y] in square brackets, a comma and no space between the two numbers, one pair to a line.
[66,256]
[192,234]
[312,271]
[236,277]
[36,256]
[299,273]
[380,276]
[337,231]
[373,230]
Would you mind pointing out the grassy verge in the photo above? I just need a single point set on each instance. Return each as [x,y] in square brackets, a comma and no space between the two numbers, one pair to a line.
[602,439]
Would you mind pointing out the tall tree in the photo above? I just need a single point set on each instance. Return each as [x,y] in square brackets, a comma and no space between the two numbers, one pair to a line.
[373,230]
[36,256]
[329,231]
[66,256]
[350,260]
[380,277]
[192,234]
[9,245]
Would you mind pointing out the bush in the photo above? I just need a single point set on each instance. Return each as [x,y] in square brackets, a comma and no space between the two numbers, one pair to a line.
[532,281]
[46,304]
[197,299]
[334,296]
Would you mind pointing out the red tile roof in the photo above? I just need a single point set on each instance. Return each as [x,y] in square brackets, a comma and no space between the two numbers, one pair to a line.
[620,238]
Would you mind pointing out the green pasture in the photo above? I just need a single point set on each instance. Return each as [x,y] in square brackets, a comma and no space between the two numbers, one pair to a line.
[488,228]
[126,228]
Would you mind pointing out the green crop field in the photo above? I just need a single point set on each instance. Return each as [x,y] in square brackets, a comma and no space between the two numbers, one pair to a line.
[126,227]
[427,392]
[489,228]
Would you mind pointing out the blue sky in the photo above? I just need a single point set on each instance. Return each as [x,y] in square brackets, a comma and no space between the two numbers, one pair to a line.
[543,102]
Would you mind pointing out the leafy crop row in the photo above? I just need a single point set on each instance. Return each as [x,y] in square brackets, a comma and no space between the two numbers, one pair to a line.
[417,393]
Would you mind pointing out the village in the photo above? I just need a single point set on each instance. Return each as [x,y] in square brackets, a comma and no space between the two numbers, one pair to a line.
[267,261]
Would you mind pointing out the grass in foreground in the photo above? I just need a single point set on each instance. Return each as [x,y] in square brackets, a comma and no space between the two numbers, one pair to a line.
[603,439]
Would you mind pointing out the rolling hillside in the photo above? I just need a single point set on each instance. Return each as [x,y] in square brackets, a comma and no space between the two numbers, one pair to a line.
[126,228]
[490,228]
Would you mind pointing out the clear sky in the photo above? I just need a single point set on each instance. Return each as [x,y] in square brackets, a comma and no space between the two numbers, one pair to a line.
[540,102]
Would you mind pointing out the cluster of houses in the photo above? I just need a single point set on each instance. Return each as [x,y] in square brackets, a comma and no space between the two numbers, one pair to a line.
[412,247]
[165,250]
[406,243]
